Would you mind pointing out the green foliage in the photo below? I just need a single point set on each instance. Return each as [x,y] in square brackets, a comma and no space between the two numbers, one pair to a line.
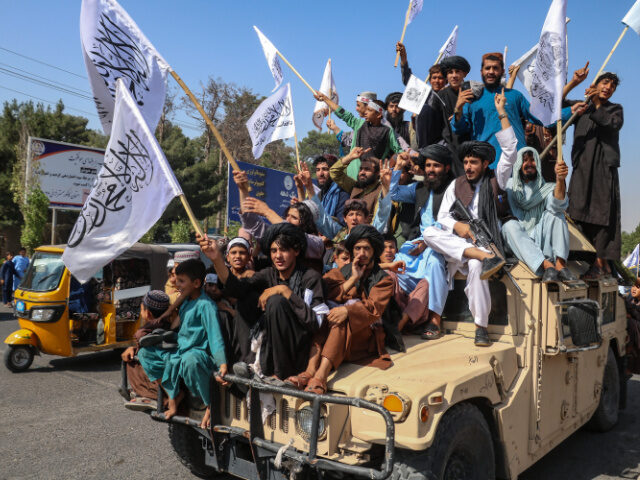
[233,229]
[180,231]
[35,211]
[316,143]
[630,240]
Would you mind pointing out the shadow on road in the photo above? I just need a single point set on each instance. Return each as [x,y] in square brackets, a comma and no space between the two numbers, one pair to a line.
[90,362]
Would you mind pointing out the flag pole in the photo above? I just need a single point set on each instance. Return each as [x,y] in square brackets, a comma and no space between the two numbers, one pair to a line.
[208,121]
[296,72]
[295,139]
[404,30]
[437,61]
[575,115]
[559,158]
[192,217]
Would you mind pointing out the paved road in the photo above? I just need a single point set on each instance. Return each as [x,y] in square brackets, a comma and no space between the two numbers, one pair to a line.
[63,419]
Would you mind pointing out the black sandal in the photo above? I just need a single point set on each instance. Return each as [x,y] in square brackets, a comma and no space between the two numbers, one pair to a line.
[431,332]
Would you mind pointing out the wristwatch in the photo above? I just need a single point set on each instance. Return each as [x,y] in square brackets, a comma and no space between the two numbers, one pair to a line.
[501,116]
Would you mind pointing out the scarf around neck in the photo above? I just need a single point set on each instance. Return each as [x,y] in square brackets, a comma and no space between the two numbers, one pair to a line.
[532,209]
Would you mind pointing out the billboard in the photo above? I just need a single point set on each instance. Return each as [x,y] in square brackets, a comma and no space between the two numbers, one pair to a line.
[274,187]
[66,172]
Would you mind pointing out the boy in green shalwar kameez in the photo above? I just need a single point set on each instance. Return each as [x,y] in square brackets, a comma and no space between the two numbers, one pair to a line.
[200,345]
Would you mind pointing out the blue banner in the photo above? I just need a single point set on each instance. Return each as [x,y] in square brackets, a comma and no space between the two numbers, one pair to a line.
[273,187]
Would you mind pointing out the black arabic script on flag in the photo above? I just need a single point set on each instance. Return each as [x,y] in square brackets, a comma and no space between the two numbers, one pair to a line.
[127,169]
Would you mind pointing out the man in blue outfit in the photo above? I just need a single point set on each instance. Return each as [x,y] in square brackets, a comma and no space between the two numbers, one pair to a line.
[330,194]
[21,262]
[7,272]
[478,116]
[421,261]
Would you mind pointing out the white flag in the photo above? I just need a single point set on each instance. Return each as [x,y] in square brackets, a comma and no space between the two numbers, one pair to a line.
[114,47]
[328,87]
[272,120]
[550,72]
[415,94]
[527,66]
[132,190]
[633,259]
[632,18]
[414,9]
[271,53]
[451,45]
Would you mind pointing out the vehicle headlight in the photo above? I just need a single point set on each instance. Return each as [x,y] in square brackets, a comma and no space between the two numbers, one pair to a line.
[304,420]
[398,405]
[45,314]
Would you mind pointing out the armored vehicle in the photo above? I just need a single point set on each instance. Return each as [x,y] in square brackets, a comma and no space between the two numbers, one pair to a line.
[446,409]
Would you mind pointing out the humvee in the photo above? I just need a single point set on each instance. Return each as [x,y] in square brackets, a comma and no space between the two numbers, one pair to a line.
[446,409]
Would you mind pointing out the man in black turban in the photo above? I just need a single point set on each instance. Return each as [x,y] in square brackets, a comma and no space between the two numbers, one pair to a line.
[352,331]
[291,296]
[395,117]
[478,190]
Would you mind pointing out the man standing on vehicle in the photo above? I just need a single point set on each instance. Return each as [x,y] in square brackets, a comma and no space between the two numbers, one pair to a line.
[479,192]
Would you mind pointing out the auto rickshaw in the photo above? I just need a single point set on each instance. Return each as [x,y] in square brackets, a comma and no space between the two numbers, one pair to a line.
[60,316]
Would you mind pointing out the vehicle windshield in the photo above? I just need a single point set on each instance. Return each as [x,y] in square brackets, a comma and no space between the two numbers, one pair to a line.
[44,272]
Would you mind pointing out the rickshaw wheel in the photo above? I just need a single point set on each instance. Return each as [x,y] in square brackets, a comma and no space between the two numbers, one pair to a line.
[18,359]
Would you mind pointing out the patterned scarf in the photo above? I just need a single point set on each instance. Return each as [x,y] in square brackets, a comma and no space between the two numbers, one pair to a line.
[530,209]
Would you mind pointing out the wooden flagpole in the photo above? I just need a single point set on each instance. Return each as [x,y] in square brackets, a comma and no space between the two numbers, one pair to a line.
[295,139]
[192,217]
[437,61]
[296,72]
[559,159]
[208,121]
[404,30]
[575,115]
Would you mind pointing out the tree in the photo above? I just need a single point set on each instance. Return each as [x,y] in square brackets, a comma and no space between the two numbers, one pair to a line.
[316,143]
[629,241]
[36,212]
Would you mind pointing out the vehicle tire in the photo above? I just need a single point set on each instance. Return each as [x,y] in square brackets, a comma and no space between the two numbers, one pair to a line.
[606,415]
[18,359]
[461,450]
[187,444]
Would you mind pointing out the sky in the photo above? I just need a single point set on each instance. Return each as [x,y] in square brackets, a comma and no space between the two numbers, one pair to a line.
[214,38]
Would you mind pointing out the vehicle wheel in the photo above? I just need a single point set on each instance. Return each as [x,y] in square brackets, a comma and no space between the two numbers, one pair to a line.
[462,450]
[18,359]
[187,444]
[606,415]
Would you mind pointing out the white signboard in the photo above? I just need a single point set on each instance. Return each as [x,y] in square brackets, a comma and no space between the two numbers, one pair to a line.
[66,172]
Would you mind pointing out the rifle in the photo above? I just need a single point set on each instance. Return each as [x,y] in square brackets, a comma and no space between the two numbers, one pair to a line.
[480,234]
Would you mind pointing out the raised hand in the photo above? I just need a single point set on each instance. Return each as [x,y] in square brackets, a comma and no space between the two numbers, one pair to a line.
[331,125]
[581,74]
[500,101]
[209,247]
[385,175]
[562,170]
[402,160]
[400,48]
[241,179]
[253,205]
[464,96]
[579,108]
[356,153]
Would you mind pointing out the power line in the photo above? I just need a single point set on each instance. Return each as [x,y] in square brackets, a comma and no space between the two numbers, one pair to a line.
[47,101]
[46,78]
[43,63]
[43,83]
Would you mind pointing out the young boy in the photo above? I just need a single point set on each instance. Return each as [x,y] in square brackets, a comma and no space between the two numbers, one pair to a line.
[153,305]
[341,256]
[200,344]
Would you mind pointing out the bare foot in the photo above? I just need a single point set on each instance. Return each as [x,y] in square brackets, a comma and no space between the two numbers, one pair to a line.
[172,409]
[206,420]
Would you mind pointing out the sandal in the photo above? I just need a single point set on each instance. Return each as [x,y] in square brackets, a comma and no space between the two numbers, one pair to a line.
[594,273]
[431,332]
[141,404]
[298,381]
[316,386]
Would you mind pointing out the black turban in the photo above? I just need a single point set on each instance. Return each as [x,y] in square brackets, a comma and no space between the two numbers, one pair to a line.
[439,153]
[457,62]
[366,232]
[297,238]
[474,148]
[393,97]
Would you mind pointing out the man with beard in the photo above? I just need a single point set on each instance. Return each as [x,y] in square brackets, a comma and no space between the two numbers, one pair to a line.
[367,186]
[353,330]
[429,124]
[291,299]
[479,191]
[394,117]
[355,210]
[595,188]
[540,237]
[369,134]
[478,116]
[421,261]
[330,195]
